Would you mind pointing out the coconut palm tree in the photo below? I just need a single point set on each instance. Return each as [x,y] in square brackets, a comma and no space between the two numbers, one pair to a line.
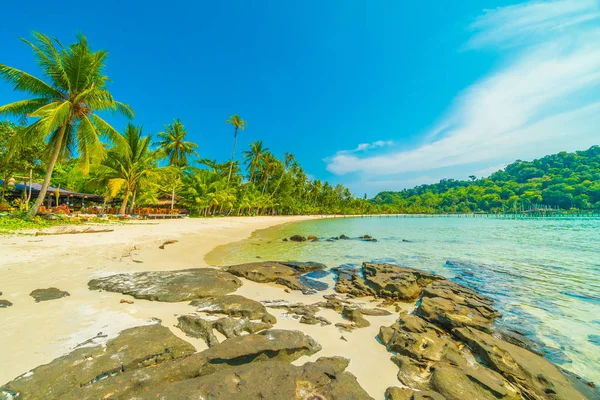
[289,159]
[64,104]
[172,142]
[130,164]
[239,124]
[253,157]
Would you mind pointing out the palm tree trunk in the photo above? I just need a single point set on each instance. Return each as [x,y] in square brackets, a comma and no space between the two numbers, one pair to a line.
[124,203]
[173,197]
[133,202]
[232,154]
[55,153]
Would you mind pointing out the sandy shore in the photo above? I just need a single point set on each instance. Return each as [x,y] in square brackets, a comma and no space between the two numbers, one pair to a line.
[36,333]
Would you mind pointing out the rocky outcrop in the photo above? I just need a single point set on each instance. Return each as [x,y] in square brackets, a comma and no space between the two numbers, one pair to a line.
[170,286]
[290,274]
[451,305]
[298,238]
[535,377]
[132,350]
[235,306]
[429,359]
[323,379]
[5,304]
[307,314]
[396,393]
[278,346]
[355,315]
[48,294]
[198,327]
[384,280]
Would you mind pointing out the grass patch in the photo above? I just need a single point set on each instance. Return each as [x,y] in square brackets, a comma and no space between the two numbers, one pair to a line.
[17,222]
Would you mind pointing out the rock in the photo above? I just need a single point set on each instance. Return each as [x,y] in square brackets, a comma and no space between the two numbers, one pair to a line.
[123,301]
[166,242]
[311,237]
[365,237]
[302,267]
[396,393]
[5,304]
[345,327]
[323,379]
[343,237]
[451,305]
[276,345]
[416,338]
[261,272]
[234,305]
[430,360]
[307,313]
[195,326]
[48,294]
[302,283]
[343,338]
[170,286]
[132,350]
[536,377]
[354,315]
[375,312]
[384,280]
[285,239]
[298,238]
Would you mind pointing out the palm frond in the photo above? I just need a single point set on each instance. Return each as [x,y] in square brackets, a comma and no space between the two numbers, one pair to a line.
[24,82]
[23,108]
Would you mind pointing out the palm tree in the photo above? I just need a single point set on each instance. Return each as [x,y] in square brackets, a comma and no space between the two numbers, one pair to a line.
[238,123]
[288,161]
[130,164]
[253,156]
[65,103]
[172,142]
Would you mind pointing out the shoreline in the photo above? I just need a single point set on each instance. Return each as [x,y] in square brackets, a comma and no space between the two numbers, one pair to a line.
[37,333]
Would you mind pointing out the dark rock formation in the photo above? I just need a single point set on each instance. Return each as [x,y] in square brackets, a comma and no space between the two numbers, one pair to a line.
[132,350]
[288,273]
[298,238]
[235,306]
[343,237]
[396,393]
[195,326]
[170,286]
[306,313]
[5,303]
[451,305]
[323,379]
[48,294]
[262,348]
[384,280]
[355,315]
[302,283]
[536,377]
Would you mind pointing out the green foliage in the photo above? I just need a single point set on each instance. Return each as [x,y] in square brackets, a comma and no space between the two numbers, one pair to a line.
[565,180]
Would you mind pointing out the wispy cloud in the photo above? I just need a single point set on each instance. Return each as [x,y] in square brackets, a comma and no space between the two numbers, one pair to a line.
[367,146]
[544,99]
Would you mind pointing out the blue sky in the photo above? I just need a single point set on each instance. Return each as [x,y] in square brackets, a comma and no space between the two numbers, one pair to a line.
[377,95]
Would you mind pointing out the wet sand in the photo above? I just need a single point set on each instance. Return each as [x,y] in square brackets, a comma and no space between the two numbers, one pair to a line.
[36,333]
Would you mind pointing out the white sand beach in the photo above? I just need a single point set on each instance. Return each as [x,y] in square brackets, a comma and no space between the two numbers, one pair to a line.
[36,333]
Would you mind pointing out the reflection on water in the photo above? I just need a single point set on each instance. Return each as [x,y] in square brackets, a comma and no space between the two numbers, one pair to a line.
[544,275]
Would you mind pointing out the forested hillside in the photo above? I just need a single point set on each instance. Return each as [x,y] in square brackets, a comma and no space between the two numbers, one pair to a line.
[565,180]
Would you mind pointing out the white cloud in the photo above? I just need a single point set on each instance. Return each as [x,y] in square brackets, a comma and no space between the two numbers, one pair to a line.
[544,100]
[522,23]
[368,146]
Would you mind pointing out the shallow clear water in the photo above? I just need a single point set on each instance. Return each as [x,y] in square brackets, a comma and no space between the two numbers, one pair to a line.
[543,274]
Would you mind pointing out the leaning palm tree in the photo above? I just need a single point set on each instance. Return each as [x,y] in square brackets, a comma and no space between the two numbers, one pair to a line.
[130,164]
[172,142]
[64,104]
[238,123]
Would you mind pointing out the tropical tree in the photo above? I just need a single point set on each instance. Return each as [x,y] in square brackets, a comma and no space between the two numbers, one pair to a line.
[64,104]
[253,157]
[239,124]
[130,164]
[172,142]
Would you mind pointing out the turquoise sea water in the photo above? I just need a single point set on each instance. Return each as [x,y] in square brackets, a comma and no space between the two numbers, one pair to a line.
[543,274]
